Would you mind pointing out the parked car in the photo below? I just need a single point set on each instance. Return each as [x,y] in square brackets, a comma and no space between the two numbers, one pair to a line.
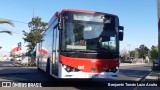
[126,61]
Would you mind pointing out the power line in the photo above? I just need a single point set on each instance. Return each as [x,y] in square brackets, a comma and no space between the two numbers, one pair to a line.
[19,21]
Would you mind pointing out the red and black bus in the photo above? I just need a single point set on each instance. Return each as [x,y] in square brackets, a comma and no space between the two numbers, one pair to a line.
[81,44]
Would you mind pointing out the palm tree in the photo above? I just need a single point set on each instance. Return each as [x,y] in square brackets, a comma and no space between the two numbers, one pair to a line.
[6,21]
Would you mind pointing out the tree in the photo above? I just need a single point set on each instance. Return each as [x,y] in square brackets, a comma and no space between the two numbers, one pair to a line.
[154,52]
[3,21]
[136,55]
[34,36]
[143,51]
[132,53]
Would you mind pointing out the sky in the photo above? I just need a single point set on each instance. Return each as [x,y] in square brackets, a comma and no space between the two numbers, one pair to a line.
[139,18]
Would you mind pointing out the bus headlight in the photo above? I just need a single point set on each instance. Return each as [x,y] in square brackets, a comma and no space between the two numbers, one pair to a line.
[64,66]
[117,67]
[69,68]
[112,69]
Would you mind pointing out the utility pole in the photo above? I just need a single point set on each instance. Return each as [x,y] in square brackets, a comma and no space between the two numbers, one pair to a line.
[129,50]
[33,13]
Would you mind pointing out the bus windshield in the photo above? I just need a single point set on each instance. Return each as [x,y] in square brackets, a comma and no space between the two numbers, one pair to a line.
[88,34]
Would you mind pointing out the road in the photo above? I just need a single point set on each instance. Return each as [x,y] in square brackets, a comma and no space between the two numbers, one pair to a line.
[129,72]
[10,72]
[134,72]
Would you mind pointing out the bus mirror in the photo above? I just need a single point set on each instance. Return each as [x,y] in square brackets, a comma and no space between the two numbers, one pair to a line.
[120,28]
[121,36]
[60,23]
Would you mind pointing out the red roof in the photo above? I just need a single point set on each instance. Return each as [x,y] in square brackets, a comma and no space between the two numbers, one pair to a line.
[53,18]
[85,11]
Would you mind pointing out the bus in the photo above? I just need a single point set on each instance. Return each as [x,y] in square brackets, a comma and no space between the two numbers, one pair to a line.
[81,44]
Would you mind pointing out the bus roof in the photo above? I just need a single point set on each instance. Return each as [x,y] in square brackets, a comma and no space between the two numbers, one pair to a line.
[53,18]
[85,11]
[75,10]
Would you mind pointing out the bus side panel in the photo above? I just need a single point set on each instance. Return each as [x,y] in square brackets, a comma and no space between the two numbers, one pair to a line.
[41,60]
[46,51]
[55,60]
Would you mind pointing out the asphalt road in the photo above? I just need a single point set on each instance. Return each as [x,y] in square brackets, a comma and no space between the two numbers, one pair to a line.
[134,72]
[128,72]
